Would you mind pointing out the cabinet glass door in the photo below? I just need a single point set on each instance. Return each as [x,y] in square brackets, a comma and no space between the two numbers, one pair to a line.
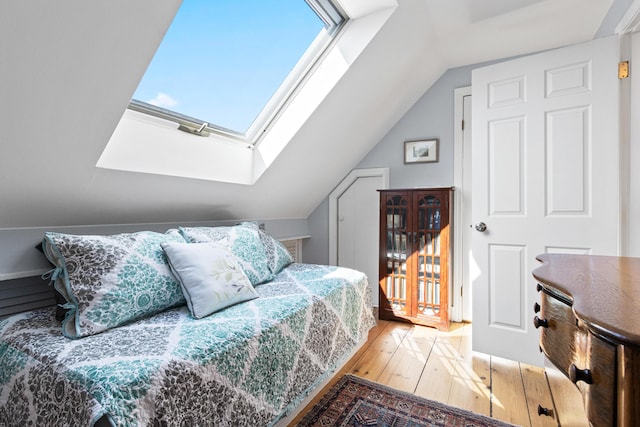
[429,256]
[398,247]
[414,261]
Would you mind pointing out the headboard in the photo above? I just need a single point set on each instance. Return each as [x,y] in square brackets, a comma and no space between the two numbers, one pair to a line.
[27,293]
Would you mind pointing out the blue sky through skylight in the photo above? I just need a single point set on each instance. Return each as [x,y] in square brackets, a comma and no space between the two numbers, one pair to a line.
[222,60]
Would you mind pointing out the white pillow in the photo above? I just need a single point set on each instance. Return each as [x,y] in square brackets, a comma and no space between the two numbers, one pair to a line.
[210,277]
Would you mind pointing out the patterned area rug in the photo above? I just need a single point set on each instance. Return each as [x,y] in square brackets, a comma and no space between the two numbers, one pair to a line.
[354,401]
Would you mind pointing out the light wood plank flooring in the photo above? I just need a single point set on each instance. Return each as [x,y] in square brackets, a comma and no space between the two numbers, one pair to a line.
[441,366]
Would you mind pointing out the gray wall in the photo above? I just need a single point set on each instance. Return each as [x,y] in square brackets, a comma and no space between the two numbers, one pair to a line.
[20,258]
[430,117]
[316,249]
[21,264]
[610,22]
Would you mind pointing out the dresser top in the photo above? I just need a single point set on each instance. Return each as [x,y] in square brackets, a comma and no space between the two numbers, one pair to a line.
[605,291]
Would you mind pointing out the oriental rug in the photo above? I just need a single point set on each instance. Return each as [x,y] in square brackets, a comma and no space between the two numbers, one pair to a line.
[356,402]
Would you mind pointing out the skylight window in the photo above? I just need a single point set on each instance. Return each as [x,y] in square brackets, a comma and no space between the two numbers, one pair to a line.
[229,66]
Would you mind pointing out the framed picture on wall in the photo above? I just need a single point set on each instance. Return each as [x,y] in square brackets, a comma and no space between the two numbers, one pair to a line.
[421,151]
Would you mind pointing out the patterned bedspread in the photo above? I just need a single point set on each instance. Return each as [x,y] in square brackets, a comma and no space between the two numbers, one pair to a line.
[249,364]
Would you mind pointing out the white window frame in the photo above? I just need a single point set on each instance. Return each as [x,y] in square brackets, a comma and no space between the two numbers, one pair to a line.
[334,19]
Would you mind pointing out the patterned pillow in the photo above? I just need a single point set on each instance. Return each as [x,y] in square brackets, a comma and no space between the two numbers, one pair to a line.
[278,256]
[111,280]
[210,276]
[245,244]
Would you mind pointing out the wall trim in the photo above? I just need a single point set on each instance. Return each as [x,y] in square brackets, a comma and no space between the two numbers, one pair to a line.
[458,287]
[23,274]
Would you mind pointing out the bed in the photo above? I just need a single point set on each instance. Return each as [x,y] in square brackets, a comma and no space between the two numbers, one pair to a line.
[250,363]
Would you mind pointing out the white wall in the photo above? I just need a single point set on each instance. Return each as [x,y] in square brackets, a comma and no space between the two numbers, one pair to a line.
[67,76]
[70,67]
[68,71]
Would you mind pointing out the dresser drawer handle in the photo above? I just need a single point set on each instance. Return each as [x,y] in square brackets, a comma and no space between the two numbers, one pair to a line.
[540,323]
[545,411]
[576,375]
[536,308]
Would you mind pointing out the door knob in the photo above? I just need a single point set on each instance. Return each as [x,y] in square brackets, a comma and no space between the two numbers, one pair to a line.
[540,323]
[576,375]
[545,411]
[481,227]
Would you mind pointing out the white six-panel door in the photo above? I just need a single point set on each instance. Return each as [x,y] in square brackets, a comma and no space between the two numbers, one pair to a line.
[545,179]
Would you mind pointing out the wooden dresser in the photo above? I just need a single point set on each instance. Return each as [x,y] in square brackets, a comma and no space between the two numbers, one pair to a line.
[589,322]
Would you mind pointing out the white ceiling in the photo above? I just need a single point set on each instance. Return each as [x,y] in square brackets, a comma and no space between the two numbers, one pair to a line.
[481,10]
[69,68]
[471,31]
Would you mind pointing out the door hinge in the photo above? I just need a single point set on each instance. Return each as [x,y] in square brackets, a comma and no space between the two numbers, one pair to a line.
[623,69]
[462,125]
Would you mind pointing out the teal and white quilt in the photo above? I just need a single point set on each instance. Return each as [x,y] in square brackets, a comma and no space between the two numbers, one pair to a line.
[248,364]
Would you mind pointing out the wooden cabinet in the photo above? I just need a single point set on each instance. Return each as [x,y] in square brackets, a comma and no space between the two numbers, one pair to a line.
[414,255]
[589,322]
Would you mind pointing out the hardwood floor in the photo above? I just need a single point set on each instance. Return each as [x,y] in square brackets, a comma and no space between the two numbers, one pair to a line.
[441,366]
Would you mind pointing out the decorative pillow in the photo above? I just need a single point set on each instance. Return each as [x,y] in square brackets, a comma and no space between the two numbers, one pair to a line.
[245,244]
[111,280]
[210,276]
[175,233]
[278,257]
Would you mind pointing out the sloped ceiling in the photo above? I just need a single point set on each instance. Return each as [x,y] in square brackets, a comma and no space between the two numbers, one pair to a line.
[68,69]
